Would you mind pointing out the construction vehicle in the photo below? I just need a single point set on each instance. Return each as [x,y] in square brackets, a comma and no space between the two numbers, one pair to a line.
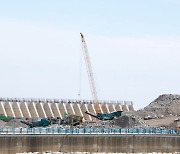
[44,122]
[105,116]
[90,73]
[72,120]
[5,118]
[100,115]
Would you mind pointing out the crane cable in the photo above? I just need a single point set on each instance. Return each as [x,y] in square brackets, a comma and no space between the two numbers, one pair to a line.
[80,74]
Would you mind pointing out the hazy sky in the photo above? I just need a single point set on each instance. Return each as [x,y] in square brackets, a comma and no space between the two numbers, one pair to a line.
[134,46]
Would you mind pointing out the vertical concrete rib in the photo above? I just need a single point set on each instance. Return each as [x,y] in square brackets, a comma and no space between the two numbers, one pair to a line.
[84,109]
[3,109]
[55,110]
[69,108]
[48,110]
[77,109]
[15,109]
[107,107]
[104,108]
[12,111]
[80,109]
[35,109]
[8,109]
[60,115]
[72,108]
[27,109]
[93,108]
[117,107]
[44,113]
[111,109]
[90,108]
[24,110]
[114,107]
[125,107]
[19,111]
[64,105]
[100,108]
[88,111]
[62,109]
[120,106]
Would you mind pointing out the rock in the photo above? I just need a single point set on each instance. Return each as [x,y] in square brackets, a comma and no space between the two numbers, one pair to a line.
[129,119]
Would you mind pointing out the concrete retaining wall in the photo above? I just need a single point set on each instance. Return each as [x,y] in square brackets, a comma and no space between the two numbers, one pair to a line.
[89,143]
[40,108]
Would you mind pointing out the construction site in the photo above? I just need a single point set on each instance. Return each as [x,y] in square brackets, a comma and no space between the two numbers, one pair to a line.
[57,125]
[154,128]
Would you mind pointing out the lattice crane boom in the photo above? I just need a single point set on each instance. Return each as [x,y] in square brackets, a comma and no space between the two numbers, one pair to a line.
[90,72]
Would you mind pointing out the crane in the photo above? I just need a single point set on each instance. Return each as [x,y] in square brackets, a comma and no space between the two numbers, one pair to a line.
[90,73]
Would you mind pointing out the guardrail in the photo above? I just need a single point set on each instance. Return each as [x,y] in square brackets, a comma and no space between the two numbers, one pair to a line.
[64,101]
[88,131]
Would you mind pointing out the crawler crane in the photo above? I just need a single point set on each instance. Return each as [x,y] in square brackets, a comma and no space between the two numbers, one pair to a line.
[99,113]
[90,73]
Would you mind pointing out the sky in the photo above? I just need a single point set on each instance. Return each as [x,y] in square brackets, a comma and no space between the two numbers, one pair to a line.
[134,48]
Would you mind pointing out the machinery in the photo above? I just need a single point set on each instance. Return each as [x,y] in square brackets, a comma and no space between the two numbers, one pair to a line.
[105,116]
[5,118]
[44,122]
[71,120]
[90,73]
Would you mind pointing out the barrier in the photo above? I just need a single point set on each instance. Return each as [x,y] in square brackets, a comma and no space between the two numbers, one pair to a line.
[60,130]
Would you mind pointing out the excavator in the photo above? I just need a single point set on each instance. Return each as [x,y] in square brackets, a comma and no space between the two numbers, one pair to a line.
[105,116]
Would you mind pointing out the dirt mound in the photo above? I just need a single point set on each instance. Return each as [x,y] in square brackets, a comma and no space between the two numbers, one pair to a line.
[2,124]
[15,123]
[164,106]
[129,119]
[162,111]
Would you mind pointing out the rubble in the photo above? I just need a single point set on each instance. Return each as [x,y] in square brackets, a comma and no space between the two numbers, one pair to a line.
[2,123]
[162,111]
[15,123]
[159,113]
[129,119]
[164,106]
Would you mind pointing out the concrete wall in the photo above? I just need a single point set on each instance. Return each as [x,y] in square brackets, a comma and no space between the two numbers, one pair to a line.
[39,108]
[89,143]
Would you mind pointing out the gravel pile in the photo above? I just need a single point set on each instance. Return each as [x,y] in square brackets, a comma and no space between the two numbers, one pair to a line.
[164,106]
[2,124]
[161,112]
[15,123]
[129,119]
